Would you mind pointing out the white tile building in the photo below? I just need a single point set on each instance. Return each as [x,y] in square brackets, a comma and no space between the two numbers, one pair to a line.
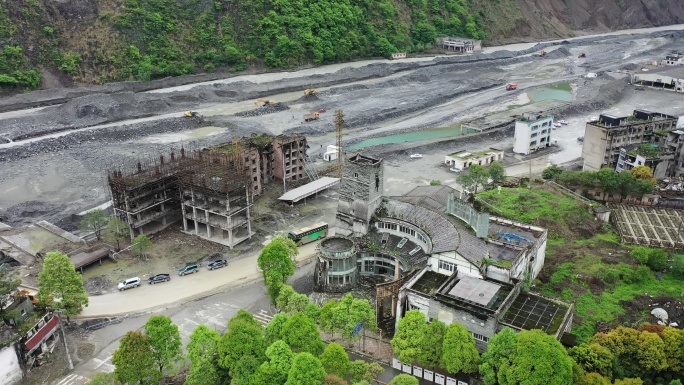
[532,132]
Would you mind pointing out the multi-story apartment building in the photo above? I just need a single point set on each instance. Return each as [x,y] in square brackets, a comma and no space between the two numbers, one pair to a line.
[604,138]
[532,132]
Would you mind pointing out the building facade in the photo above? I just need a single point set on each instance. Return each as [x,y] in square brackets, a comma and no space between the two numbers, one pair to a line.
[532,133]
[659,160]
[361,191]
[673,59]
[463,159]
[604,138]
[669,77]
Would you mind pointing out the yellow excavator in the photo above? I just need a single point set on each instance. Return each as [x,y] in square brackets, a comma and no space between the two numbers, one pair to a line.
[310,92]
[263,103]
[190,114]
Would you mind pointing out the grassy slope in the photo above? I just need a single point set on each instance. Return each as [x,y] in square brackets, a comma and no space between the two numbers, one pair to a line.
[589,270]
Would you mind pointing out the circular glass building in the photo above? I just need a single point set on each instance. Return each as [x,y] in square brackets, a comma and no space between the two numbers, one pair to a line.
[336,269]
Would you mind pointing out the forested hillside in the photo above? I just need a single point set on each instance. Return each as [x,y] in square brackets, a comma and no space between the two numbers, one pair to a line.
[96,41]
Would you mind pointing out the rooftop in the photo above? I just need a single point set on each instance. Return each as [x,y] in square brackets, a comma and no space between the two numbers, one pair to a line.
[530,311]
[358,158]
[429,282]
[409,251]
[464,154]
[672,71]
[475,290]
[295,195]
[431,197]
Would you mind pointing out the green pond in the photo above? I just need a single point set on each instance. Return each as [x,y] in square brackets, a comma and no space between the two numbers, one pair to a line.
[432,133]
[562,92]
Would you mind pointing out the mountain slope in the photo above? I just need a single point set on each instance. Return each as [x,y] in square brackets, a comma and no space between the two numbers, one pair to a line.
[55,42]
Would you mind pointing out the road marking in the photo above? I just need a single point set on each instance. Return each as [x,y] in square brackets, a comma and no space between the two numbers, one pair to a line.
[72,379]
[192,322]
[263,317]
[103,362]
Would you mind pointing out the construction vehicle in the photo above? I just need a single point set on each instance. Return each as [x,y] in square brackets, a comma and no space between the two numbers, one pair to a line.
[542,53]
[264,103]
[511,87]
[582,55]
[310,92]
[312,116]
[190,114]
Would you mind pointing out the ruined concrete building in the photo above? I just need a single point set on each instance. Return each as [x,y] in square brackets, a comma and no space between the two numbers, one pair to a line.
[435,252]
[609,140]
[211,189]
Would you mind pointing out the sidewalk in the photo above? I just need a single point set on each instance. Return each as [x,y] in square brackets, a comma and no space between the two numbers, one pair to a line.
[181,289]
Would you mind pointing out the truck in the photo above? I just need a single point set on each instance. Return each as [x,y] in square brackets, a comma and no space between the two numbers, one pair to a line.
[511,86]
[312,116]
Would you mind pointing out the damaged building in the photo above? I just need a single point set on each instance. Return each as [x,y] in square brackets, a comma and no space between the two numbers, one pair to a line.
[609,140]
[438,254]
[211,190]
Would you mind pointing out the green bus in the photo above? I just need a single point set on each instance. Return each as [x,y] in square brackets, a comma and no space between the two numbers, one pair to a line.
[309,234]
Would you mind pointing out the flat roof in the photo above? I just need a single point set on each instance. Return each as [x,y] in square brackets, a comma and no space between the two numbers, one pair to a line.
[530,311]
[309,189]
[429,282]
[475,290]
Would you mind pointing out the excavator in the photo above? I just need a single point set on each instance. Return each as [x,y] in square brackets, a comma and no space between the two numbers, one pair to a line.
[190,114]
[310,92]
[263,103]
[542,53]
[582,55]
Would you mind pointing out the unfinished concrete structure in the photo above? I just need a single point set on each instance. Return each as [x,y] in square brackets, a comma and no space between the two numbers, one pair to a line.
[463,159]
[211,190]
[361,188]
[670,78]
[604,138]
[460,45]
[648,226]
[658,159]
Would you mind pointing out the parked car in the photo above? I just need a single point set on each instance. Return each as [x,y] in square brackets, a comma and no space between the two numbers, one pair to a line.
[416,156]
[189,269]
[129,283]
[562,121]
[158,278]
[217,264]
[556,125]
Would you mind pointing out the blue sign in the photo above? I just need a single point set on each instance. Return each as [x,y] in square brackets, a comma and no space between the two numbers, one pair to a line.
[357,328]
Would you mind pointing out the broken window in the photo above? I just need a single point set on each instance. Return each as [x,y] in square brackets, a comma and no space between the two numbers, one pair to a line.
[377,182]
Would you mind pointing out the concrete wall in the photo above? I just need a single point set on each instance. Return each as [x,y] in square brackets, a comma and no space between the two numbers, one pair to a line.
[361,192]
[594,148]
[463,265]
[10,371]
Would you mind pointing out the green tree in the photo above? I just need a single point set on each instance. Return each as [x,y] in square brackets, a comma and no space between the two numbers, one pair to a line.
[459,351]
[349,312]
[103,378]
[500,347]
[117,231]
[640,254]
[678,266]
[290,301]
[407,341]
[658,259]
[134,360]
[165,340]
[431,345]
[141,245]
[651,352]
[643,173]
[277,263]
[301,334]
[275,370]
[537,358]
[673,382]
[8,285]
[595,379]
[274,329]
[245,371]
[306,370]
[593,358]
[59,281]
[497,172]
[243,338]
[673,340]
[404,379]
[552,172]
[609,180]
[335,360]
[326,317]
[203,355]
[475,176]
[95,221]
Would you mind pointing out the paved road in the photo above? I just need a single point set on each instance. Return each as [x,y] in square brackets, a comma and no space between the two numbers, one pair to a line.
[156,297]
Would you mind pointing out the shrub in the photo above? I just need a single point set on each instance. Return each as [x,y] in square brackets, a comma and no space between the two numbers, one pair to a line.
[435,182]
[657,259]
[678,266]
[640,254]
[641,274]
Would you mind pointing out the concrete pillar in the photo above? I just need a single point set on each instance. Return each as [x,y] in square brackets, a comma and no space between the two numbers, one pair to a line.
[206,216]
[164,217]
[230,238]
[249,220]
[397,270]
[129,218]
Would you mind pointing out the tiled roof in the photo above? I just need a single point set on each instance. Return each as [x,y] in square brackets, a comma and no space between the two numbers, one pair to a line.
[446,233]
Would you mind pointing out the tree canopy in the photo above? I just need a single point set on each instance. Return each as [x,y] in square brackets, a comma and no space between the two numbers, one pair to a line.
[301,334]
[276,262]
[474,177]
[117,231]
[306,370]
[335,360]
[243,338]
[459,352]
[165,341]
[203,355]
[432,344]
[407,341]
[404,379]
[134,360]
[141,245]
[94,221]
[275,370]
[60,285]
[536,358]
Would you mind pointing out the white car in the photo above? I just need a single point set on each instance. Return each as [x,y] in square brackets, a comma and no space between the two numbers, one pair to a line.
[415,156]
[593,119]
[129,283]
[556,125]
[563,121]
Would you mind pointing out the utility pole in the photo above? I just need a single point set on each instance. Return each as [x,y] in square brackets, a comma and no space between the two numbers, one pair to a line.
[66,347]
